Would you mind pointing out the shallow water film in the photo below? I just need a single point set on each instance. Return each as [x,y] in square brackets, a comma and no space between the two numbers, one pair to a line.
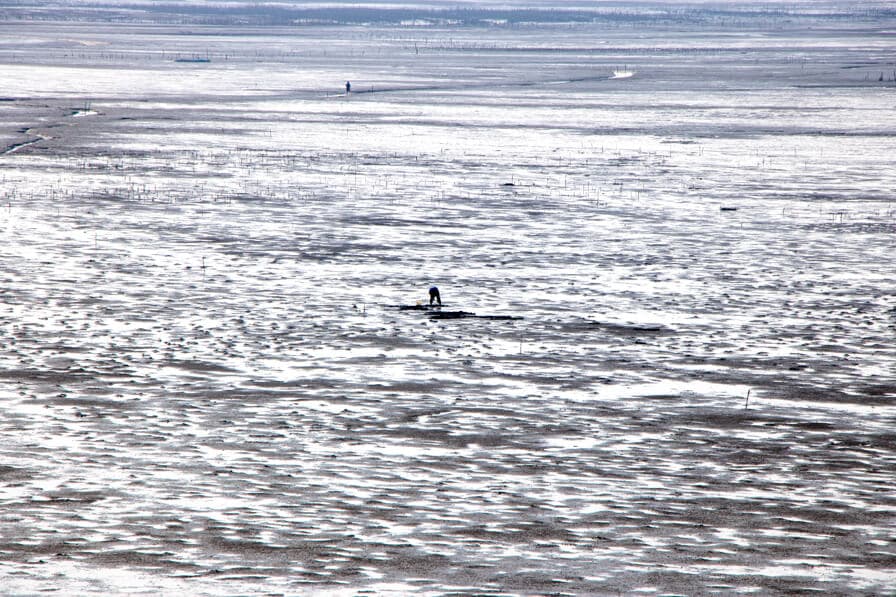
[663,235]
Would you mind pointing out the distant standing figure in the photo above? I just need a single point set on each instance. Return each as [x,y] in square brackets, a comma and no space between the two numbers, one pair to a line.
[348,86]
[435,296]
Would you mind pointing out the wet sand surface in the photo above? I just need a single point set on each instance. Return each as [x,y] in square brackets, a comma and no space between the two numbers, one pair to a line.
[207,387]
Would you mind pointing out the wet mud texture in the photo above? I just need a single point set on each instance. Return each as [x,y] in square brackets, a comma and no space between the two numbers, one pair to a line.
[207,387]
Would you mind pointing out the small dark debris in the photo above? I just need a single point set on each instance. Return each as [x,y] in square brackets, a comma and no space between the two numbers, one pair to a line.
[467,314]
[437,313]
[451,314]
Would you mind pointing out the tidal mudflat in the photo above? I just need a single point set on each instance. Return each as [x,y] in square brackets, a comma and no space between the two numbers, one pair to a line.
[207,387]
